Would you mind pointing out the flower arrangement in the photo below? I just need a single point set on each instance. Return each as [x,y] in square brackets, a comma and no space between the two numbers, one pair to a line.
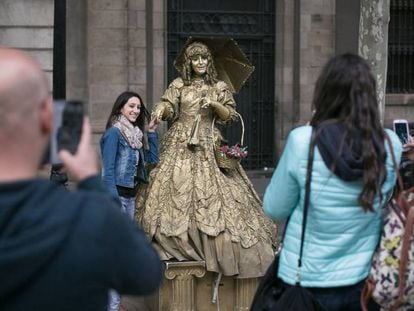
[233,152]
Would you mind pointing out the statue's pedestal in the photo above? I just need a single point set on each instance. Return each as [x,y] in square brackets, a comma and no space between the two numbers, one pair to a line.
[188,286]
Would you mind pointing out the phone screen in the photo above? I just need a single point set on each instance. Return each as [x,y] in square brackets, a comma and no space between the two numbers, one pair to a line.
[401,129]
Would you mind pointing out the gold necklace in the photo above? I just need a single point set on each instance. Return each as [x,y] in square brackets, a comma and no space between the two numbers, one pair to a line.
[198,84]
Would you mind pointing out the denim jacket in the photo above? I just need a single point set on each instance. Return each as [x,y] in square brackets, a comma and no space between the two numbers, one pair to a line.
[119,160]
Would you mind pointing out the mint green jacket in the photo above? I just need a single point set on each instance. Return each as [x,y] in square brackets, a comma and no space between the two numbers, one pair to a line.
[340,237]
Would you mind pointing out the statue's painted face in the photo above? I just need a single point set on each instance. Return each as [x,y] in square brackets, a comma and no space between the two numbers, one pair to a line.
[199,64]
[199,55]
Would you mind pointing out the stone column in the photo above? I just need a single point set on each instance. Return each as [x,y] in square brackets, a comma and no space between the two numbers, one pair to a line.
[373,42]
[244,290]
[182,276]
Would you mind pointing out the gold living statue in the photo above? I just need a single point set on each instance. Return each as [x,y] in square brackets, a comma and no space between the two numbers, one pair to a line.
[192,209]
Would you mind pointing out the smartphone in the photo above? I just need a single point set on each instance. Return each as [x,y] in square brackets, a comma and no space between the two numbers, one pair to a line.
[67,128]
[402,130]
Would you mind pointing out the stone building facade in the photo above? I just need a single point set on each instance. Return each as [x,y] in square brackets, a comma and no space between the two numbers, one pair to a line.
[114,45]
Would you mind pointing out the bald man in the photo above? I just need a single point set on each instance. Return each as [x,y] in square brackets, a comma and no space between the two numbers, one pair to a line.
[59,250]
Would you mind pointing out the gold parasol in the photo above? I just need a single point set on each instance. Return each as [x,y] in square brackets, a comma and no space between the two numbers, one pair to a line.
[232,65]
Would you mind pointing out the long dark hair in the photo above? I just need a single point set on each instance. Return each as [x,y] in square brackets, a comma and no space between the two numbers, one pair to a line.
[346,92]
[195,49]
[120,102]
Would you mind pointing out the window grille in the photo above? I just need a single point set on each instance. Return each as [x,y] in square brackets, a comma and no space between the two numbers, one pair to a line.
[400,75]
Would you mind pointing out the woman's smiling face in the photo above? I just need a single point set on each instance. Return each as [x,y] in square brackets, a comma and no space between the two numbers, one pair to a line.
[131,109]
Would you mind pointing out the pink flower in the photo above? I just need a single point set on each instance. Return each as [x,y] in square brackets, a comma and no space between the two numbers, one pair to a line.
[224,148]
[234,152]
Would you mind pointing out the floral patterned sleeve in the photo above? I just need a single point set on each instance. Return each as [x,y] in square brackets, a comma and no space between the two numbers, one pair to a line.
[171,99]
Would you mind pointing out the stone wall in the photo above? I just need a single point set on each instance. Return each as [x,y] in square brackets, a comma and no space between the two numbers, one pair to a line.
[125,51]
[305,40]
[28,25]
[120,45]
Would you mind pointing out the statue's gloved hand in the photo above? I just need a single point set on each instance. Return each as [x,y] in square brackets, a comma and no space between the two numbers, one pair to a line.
[222,111]
[161,112]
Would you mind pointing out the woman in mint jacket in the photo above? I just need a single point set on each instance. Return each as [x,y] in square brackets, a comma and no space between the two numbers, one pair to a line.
[352,178]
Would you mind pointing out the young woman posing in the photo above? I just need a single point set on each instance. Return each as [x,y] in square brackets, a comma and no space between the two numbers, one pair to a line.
[124,154]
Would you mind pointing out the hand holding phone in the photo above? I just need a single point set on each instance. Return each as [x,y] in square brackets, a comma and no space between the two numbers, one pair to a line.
[84,163]
[401,128]
[67,129]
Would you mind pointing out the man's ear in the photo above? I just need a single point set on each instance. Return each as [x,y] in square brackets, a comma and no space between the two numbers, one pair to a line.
[46,116]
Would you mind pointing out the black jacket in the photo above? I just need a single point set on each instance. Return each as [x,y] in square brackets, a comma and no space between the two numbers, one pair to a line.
[62,250]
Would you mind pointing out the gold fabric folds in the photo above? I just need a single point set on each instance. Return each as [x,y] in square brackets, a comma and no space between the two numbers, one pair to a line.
[191,209]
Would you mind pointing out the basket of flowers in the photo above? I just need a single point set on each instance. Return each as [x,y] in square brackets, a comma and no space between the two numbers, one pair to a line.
[228,157]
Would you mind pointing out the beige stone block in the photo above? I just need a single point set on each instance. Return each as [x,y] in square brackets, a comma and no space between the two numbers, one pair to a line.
[136,37]
[321,37]
[44,57]
[328,49]
[138,75]
[306,57]
[287,74]
[158,56]
[286,58]
[141,89]
[159,73]
[108,18]
[106,92]
[319,58]
[101,56]
[288,24]
[24,37]
[26,13]
[138,5]
[131,56]
[288,6]
[141,19]
[158,90]
[140,56]
[99,113]
[158,21]
[319,21]
[318,7]
[306,92]
[159,39]
[313,74]
[304,41]
[304,75]
[107,37]
[305,22]
[286,92]
[329,6]
[108,74]
[158,6]
[49,77]
[106,4]
[132,21]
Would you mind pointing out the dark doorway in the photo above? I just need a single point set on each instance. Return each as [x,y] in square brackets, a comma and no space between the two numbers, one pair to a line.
[252,24]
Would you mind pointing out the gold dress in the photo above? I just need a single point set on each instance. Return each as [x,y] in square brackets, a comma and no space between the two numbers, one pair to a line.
[193,210]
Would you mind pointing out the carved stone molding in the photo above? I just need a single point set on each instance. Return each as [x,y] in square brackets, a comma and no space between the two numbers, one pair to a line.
[184,269]
[244,291]
[182,276]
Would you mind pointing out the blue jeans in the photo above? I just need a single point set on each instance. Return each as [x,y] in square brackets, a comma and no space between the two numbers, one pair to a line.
[128,208]
[114,300]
